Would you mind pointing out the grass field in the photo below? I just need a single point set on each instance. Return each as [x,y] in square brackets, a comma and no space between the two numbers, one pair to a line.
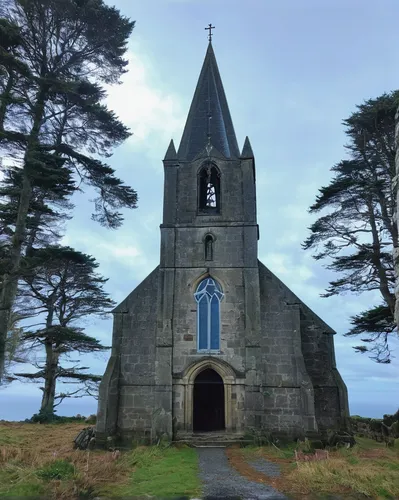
[38,460]
[368,470]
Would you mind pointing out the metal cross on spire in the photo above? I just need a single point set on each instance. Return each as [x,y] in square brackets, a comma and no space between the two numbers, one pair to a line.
[210,28]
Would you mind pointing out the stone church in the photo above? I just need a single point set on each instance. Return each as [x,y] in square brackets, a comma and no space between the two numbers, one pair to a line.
[212,340]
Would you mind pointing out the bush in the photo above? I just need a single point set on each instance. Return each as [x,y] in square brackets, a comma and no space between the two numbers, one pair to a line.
[390,419]
[45,417]
[59,469]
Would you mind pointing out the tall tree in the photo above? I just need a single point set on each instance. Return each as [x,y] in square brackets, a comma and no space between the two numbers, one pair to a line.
[16,350]
[396,216]
[358,232]
[54,58]
[62,288]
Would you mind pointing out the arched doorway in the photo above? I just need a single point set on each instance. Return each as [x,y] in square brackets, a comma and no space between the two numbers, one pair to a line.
[208,408]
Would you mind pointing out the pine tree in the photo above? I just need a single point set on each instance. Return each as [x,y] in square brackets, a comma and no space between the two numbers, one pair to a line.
[55,57]
[358,233]
[62,288]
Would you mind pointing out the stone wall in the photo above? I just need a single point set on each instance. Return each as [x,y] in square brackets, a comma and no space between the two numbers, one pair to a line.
[316,371]
[126,391]
[288,404]
[374,428]
[232,341]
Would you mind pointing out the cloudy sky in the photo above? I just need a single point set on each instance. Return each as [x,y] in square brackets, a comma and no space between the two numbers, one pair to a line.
[292,71]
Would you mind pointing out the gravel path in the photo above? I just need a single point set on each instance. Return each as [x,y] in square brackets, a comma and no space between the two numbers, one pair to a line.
[221,481]
[265,467]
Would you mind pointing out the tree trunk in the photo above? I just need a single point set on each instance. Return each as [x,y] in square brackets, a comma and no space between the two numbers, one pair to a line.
[376,260]
[51,368]
[50,379]
[396,220]
[10,279]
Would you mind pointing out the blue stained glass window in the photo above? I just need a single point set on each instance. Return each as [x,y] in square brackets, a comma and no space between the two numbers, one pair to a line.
[208,297]
[203,306]
[215,322]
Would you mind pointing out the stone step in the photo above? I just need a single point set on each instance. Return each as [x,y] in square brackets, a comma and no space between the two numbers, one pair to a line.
[210,443]
[210,437]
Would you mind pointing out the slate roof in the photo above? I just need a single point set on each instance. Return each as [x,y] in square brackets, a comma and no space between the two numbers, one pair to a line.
[209,99]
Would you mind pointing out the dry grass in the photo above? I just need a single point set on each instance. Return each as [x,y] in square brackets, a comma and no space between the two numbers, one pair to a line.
[369,470]
[39,460]
[26,448]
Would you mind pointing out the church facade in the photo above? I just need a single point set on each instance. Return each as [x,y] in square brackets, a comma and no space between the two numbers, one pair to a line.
[212,340]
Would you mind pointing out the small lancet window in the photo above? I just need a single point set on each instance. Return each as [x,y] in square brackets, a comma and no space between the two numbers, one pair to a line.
[209,189]
[208,247]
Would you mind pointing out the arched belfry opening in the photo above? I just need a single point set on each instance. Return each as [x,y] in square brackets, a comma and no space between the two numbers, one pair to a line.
[209,189]
[208,404]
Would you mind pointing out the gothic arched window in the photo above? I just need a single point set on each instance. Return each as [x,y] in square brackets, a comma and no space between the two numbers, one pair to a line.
[208,296]
[209,189]
[208,243]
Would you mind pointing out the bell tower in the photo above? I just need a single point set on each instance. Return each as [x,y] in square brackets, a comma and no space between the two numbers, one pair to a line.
[209,215]
[209,239]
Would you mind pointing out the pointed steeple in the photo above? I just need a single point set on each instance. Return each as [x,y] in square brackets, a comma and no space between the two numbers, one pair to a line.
[247,149]
[209,120]
[171,152]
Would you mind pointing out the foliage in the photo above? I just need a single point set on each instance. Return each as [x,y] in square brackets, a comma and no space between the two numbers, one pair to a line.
[59,469]
[45,417]
[16,351]
[357,233]
[56,133]
[62,286]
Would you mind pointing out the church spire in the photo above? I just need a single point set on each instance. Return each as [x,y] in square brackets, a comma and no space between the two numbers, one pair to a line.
[209,121]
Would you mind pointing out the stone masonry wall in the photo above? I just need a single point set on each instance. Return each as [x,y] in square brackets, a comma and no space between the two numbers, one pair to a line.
[232,342]
[137,360]
[287,392]
[317,346]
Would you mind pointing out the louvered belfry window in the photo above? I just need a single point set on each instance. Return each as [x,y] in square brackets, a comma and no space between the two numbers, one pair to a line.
[209,189]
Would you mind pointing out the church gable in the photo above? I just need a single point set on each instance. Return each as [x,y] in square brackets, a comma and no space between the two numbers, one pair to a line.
[144,291]
[291,299]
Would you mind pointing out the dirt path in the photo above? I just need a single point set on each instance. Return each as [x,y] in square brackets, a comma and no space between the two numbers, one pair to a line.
[220,480]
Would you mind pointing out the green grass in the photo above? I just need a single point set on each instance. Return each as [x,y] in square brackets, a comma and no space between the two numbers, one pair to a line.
[8,437]
[16,481]
[59,469]
[162,472]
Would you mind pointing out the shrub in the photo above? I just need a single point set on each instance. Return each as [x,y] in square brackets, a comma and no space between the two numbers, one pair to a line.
[59,469]
[390,419]
[45,417]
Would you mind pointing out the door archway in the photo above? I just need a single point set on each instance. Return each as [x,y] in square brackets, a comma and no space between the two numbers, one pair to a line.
[208,402]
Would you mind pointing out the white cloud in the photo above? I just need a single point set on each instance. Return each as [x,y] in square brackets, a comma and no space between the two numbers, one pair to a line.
[126,250]
[152,112]
[283,265]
